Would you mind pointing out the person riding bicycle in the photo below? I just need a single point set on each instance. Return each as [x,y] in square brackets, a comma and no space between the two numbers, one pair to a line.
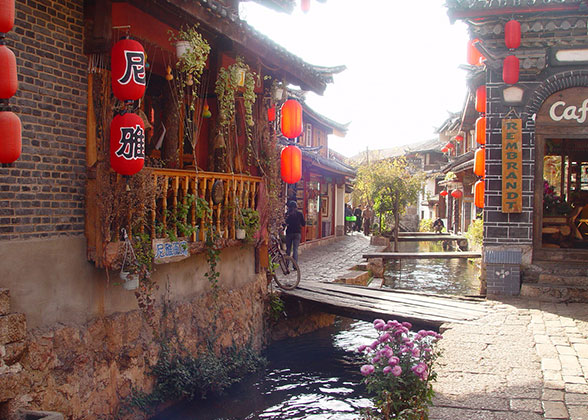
[295,222]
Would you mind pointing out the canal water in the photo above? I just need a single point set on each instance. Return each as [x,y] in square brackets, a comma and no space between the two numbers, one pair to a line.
[316,376]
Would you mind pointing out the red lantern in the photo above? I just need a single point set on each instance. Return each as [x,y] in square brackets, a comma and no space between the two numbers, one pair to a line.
[474,57]
[481,130]
[443,193]
[291,164]
[479,194]
[11,137]
[8,77]
[6,15]
[481,99]
[456,193]
[291,124]
[127,144]
[128,70]
[459,138]
[444,150]
[271,114]
[450,145]
[480,162]
[510,70]
[512,34]
[305,5]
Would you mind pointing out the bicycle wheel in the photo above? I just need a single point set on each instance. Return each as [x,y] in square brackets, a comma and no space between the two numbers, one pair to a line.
[287,275]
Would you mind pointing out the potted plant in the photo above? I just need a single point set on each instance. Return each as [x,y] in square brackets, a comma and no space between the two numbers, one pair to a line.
[247,224]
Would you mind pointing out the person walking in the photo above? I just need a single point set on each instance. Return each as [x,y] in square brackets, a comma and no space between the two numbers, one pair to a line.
[368,215]
[294,222]
[348,223]
[357,213]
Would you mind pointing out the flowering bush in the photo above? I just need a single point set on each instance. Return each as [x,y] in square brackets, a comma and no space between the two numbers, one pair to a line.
[399,370]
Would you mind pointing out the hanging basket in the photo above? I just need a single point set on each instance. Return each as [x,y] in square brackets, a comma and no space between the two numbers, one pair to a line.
[240,233]
[130,280]
[181,48]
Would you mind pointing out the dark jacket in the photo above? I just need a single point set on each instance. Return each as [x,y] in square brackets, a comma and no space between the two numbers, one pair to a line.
[295,221]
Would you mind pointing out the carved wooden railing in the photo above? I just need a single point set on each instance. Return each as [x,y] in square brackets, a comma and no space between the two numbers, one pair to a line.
[237,191]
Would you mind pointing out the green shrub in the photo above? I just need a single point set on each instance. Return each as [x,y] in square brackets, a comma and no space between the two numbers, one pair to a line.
[426,225]
[475,234]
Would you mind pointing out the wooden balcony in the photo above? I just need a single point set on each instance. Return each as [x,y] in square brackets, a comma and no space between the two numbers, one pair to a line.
[170,209]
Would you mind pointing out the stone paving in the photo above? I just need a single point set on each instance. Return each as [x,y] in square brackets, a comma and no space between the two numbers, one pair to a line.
[525,360]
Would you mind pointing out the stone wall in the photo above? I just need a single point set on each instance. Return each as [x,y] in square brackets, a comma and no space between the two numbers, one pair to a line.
[85,371]
[42,193]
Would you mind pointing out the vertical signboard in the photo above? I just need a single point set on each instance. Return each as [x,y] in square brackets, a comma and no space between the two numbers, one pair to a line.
[512,166]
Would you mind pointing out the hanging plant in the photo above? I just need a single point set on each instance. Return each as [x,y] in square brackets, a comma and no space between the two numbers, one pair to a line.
[226,88]
[190,67]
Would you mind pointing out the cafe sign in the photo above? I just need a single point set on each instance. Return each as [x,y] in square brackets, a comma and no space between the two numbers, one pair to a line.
[568,107]
[512,166]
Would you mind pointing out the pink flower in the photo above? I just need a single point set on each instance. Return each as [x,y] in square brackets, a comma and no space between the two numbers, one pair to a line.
[376,360]
[393,361]
[396,370]
[416,352]
[379,324]
[374,345]
[387,352]
[387,369]
[407,325]
[361,348]
[420,370]
[367,370]
[384,337]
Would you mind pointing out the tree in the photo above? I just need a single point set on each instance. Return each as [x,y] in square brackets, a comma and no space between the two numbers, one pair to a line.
[390,186]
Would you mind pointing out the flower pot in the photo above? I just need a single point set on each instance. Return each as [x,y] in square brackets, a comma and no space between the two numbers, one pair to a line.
[240,233]
[131,280]
[181,48]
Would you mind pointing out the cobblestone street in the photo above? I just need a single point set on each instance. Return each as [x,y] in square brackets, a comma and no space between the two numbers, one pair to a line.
[525,360]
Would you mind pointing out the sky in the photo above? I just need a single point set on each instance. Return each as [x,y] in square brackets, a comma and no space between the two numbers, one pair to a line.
[402,57]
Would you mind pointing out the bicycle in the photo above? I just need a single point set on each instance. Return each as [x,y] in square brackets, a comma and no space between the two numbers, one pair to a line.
[283,268]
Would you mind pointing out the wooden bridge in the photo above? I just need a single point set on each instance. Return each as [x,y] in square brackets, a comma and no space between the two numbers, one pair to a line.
[358,302]
[428,237]
[422,255]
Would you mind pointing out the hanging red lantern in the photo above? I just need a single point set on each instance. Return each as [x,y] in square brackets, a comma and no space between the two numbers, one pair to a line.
[305,5]
[456,193]
[479,194]
[271,114]
[480,162]
[8,76]
[510,70]
[450,146]
[11,137]
[459,138]
[291,123]
[291,164]
[481,130]
[128,70]
[481,99]
[6,15]
[443,193]
[127,144]
[444,150]
[512,34]
[474,57]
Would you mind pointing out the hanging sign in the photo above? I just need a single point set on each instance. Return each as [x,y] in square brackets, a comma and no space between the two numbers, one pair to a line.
[166,251]
[512,166]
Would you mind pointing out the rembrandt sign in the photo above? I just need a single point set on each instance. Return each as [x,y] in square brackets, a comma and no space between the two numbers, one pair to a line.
[512,166]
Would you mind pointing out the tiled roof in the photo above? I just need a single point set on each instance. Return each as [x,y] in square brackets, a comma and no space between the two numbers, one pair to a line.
[322,75]
[475,9]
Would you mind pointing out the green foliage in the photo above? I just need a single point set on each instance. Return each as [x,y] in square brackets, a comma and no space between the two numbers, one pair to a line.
[449,176]
[426,225]
[178,377]
[475,234]
[177,218]
[277,306]
[212,258]
[143,266]
[249,220]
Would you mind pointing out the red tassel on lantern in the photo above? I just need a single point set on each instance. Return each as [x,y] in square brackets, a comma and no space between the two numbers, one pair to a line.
[291,124]
[510,70]
[305,5]
[512,34]
[474,57]
[127,144]
[271,114]
[6,15]
[480,162]
[291,164]
[456,193]
[481,99]
[481,130]
[128,70]
[479,190]
[10,138]
[443,193]
[8,76]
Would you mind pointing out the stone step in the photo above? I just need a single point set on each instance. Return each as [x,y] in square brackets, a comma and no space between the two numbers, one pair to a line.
[550,292]
[564,269]
[563,280]
[4,301]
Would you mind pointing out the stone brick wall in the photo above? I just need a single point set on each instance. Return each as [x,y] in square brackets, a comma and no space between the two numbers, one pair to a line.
[42,194]
[506,228]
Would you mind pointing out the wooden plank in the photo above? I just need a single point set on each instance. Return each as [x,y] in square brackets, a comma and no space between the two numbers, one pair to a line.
[430,238]
[422,255]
